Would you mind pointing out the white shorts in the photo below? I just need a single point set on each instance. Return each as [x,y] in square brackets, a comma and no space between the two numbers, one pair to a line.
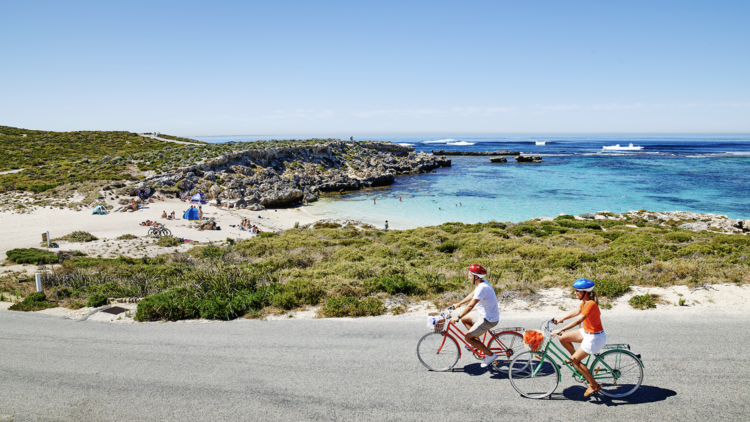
[593,343]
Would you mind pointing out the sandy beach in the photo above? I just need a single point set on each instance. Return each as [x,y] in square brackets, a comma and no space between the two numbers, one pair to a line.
[24,230]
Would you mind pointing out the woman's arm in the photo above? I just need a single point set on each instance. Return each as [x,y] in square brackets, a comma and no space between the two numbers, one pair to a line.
[575,322]
[574,313]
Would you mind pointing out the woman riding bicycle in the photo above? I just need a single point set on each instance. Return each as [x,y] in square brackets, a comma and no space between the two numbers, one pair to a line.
[591,336]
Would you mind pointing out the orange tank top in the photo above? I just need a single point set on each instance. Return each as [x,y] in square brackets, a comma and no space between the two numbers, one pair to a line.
[593,321]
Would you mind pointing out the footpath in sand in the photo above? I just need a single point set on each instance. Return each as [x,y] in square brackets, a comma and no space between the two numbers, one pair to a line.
[23,230]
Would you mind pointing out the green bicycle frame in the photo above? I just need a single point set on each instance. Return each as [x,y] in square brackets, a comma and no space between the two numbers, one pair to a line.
[558,353]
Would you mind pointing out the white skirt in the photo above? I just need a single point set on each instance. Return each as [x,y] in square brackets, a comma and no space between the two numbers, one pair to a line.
[593,343]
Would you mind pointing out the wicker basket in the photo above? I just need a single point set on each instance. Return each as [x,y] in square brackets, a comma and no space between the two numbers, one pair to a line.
[439,327]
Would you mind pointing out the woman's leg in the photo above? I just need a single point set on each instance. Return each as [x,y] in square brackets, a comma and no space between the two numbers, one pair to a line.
[578,356]
[567,340]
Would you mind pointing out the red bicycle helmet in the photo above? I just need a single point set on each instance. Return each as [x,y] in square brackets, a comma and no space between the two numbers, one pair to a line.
[477,270]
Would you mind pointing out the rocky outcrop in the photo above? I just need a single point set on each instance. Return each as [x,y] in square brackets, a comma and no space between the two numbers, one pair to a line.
[279,177]
[528,159]
[498,160]
[474,153]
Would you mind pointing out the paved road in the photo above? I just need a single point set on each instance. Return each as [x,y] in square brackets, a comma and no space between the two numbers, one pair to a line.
[365,369]
[170,140]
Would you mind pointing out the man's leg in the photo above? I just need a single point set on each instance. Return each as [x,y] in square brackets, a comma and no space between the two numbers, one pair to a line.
[468,323]
[471,339]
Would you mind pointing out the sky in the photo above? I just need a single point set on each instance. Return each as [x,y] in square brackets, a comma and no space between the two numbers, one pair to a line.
[198,68]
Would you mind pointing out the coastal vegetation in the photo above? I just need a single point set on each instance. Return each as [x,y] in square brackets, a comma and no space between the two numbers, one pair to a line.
[353,272]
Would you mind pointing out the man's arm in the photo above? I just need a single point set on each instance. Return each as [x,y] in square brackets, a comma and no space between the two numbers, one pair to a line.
[465,300]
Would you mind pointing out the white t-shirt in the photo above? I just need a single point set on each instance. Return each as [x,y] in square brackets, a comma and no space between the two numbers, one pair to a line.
[487,305]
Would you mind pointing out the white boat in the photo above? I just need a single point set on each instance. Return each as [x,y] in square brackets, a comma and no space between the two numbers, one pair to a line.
[619,148]
[541,142]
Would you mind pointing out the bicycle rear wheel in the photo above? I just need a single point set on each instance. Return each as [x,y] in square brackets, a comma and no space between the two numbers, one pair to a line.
[532,377]
[153,232]
[435,357]
[166,232]
[625,376]
[511,345]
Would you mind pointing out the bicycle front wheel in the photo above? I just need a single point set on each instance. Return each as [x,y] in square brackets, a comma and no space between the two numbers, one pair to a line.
[532,377]
[621,375]
[511,344]
[166,232]
[437,352]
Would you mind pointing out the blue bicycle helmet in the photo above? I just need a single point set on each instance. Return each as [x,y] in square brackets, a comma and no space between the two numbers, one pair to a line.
[584,285]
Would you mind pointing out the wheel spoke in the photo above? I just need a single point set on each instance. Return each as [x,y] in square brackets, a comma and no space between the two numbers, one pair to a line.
[533,375]
[618,372]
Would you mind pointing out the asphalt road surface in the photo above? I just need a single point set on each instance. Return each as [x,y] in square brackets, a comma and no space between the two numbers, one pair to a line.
[348,370]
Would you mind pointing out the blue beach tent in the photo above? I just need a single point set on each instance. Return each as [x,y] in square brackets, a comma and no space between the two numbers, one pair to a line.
[190,214]
[198,198]
[99,210]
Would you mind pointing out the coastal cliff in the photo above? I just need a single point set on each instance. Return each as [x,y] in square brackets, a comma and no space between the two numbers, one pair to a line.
[278,177]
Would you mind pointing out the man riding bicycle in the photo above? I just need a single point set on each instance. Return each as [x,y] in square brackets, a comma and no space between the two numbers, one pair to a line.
[484,299]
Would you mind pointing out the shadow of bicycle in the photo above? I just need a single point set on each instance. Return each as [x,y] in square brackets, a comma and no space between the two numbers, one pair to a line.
[645,394]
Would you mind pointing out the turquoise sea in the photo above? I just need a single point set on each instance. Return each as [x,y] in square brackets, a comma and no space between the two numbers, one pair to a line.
[700,173]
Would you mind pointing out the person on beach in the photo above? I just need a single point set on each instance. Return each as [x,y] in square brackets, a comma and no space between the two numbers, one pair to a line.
[172,216]
[485,300]
[200,213]
[386,224]
[591,336]
[164,214]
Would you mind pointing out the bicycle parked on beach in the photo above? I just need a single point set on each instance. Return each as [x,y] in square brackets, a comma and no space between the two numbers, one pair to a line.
[535,373]
[159,231]
[439,350]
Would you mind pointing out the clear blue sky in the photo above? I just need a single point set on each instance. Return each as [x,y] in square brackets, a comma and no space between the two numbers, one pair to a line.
[266,67]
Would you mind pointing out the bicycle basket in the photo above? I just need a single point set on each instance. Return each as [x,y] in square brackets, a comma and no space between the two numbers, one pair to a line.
[436,323]
[533,340]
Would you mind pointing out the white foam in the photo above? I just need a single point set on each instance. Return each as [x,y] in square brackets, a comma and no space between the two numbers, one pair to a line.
[407,145]
[441,141]
[461,143]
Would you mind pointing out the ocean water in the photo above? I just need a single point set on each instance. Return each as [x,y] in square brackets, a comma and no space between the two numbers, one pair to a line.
[700,173]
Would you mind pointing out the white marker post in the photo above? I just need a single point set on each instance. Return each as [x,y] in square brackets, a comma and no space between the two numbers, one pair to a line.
[48,240]
[38,282]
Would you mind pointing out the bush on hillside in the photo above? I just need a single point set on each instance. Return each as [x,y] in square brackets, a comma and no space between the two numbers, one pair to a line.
[33,302]
[337,307]
[31,256]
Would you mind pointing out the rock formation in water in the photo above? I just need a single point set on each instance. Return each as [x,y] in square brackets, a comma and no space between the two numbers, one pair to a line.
[498,160]
[528,159]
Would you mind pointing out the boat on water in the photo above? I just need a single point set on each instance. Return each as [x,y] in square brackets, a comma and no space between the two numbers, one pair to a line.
[619,148]
[541,142]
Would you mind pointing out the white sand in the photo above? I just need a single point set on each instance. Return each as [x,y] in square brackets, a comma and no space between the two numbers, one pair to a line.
[23,230]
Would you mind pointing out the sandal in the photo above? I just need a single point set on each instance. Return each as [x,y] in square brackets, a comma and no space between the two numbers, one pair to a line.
[590,391]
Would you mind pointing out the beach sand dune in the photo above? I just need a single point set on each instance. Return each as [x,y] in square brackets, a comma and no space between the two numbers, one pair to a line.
[24,230]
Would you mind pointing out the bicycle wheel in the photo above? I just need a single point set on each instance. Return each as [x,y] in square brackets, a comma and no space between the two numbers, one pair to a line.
[166,232]
[511,345]
[625,376]
[153,232]
[531,377]
[433,356]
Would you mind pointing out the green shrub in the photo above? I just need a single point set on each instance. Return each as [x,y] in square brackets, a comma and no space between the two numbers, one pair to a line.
[96,300]
[396,284]
[169,241]
[448,247]
[644,301]
[678,237]
[337,307]
[127,237]
[211,251]
[611,288]
[565,217]
[266,234]
[79,236]
[321,225]
[31,256]
[524,229]
[33,302]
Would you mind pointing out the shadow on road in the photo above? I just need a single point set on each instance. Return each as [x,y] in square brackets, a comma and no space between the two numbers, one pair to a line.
[645,394]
